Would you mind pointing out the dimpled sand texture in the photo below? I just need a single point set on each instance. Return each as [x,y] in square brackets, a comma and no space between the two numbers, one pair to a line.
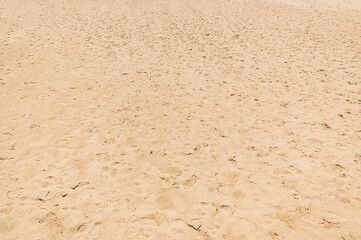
[180,119]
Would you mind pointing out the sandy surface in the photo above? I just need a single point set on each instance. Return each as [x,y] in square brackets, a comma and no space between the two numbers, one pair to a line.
[180,119]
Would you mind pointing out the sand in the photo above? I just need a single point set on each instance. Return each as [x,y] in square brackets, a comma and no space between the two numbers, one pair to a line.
[180,119]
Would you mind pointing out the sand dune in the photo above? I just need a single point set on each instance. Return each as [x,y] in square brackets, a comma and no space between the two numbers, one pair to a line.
[154,119]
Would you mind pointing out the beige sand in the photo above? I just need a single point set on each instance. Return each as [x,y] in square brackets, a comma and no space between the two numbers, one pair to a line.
[179,119]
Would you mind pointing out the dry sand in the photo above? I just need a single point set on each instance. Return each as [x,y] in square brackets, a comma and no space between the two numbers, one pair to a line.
[179,119]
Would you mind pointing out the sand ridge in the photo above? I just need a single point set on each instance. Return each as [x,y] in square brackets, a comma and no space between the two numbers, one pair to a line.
[179,120]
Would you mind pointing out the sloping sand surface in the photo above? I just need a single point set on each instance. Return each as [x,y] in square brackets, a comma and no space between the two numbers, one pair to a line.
[180,119]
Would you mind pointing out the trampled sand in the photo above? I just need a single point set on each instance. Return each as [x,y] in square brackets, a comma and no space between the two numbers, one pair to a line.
[179,119]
